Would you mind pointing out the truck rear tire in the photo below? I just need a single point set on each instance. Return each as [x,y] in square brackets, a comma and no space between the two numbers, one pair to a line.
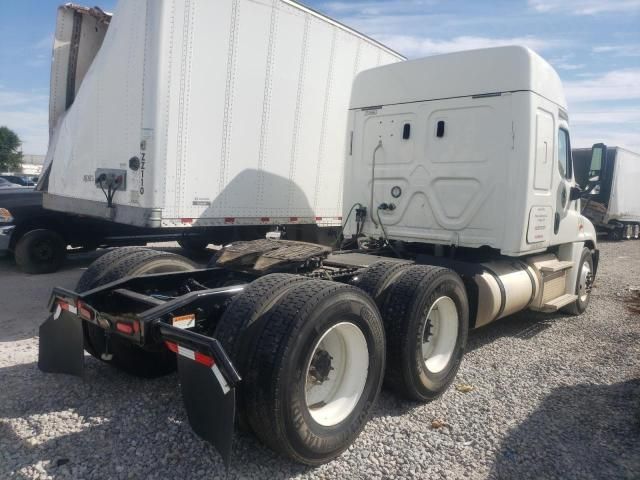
[378,278]
[241,324]
[316,371]
[40,251]
[115,265]
[583,284]
[426,318]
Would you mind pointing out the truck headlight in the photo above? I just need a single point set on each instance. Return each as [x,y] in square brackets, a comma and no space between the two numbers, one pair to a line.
[5,216]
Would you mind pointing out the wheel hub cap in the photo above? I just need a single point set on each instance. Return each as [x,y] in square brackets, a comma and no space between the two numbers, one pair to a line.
[320,366]
[336,373]
[586,279]
[440,334]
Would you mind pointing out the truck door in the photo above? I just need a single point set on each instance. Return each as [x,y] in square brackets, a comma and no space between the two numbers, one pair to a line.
[565,179]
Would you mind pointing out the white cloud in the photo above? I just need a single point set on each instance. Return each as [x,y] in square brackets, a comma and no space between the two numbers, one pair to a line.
[27,114]
[569,66]
[365,8]
[585,137]
[415,46]
[584,7]
[605,116]
[618,50]
[45,43]
[614,85]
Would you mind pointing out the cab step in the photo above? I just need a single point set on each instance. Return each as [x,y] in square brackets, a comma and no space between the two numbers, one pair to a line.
[559,302]
[552,266]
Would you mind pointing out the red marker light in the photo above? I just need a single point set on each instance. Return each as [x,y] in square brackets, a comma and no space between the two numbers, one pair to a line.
[124,328]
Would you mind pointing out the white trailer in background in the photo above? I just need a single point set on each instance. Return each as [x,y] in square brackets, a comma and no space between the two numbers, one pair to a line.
[198,113]
[611,177]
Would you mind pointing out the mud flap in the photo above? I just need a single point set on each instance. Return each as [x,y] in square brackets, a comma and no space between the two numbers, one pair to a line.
[210,404]
[60,348]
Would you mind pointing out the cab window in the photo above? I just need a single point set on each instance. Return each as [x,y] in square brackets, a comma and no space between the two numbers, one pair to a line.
[564,153]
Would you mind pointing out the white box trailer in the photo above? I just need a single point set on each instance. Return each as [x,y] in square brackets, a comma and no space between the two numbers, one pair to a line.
[612,200]
[181,113]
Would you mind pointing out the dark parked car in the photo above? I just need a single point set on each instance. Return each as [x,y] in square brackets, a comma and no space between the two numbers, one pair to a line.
[40,239]
[4,183]
[21,180]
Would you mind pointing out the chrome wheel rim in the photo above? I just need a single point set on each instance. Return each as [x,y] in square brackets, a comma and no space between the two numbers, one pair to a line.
[583,285]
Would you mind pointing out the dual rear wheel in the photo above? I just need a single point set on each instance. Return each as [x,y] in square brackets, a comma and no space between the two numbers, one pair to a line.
[312,355]
[426,316]
[311,352]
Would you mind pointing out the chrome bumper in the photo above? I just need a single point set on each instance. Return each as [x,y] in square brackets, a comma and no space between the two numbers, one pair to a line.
[5,239]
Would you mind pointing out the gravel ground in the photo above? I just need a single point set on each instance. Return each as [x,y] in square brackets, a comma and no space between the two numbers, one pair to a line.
[553,397]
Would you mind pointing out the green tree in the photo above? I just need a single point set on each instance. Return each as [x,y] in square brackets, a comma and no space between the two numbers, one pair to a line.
[10,155]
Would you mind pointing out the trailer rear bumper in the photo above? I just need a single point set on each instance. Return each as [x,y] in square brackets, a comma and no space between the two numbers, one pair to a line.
[208,379]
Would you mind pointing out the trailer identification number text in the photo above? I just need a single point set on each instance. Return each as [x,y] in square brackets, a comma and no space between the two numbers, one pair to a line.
[142,163]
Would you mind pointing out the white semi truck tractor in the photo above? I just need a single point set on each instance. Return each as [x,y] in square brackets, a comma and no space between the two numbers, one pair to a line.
[460,209]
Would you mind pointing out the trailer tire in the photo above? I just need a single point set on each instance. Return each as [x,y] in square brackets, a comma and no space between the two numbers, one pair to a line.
[616,234]
[40,251]
[315,328]
[424,352]
[241,324]
[378,278]
[582,285]
[128,357]
[91,276]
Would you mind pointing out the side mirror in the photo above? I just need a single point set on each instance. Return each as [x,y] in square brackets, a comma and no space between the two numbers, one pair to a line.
[598,156]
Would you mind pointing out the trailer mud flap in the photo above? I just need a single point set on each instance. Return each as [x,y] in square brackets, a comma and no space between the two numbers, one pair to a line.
[210,407]
[60,346]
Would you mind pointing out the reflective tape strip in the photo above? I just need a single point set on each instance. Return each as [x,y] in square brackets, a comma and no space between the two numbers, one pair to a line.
[221,380]
[185,352]
[204,360]
[64,306]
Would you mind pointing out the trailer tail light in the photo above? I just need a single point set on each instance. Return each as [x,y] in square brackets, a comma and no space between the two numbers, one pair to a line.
[85,311]
[125,328]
